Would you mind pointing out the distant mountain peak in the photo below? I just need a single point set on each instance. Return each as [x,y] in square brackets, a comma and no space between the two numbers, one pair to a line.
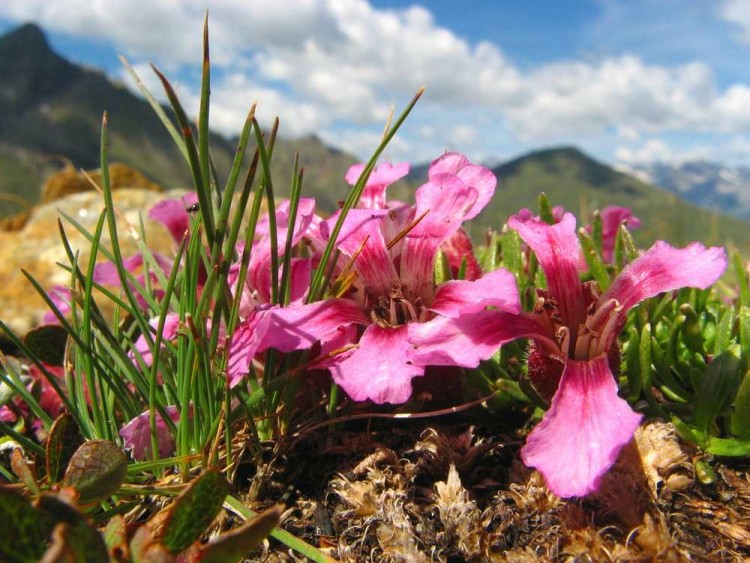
[31,70]
[28,37]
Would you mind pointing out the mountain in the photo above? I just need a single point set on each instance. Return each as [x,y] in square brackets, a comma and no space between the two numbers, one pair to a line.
[581,184]
[50,107]
[706,184]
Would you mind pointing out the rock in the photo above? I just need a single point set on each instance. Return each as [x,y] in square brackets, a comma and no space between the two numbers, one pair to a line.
[70,181]
[37,247]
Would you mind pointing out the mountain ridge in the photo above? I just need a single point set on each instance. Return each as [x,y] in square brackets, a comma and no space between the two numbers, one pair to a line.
[49,106]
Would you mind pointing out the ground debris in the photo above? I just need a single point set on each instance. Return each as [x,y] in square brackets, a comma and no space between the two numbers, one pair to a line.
[460,493]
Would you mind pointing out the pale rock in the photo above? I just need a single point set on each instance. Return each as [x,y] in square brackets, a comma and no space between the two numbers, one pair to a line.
[37,248]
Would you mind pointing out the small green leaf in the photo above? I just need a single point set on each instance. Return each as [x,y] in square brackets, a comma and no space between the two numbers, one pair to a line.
[704,472]
[597,231]
[512,254]
[194,510]
[64,438]
[442,269]
[742,282]
[629,248]
[234,545]
[24,533]
[96,470]
[727,447]
[116,538]
[739,422]
[597,268]
[716,388]
[74,538]
[545,209]
[48,343]
[633,365]
[24,470]
[688,432]
[724,331]
[744,331]
[691,330]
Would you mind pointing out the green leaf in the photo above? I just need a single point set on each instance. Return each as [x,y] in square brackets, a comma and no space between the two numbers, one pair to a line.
[73,538]
[64,438]
[692,334]
[727,447]
[545,209]
[596,265]
[234,545]
[194,510]
[633,365]
[739,422]
[116,536]
[744,332]
[96,470]
[688,432]
[24,470]
[716,388]
[24,533]
[724,331]
[704,472]
[442,271]
[48,343]
[742,282]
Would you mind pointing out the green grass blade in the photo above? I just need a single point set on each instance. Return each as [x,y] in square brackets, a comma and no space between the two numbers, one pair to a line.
[316,285]
[158,109]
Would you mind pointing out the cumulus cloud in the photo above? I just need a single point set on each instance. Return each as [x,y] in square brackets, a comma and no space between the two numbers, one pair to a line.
[737,13]
[329,65]
[653,150]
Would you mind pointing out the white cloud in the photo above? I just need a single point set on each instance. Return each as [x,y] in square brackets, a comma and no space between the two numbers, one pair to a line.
[653,150]
[737,13]
[328,65]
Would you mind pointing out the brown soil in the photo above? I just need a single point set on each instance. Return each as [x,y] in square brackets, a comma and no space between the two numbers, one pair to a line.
[455,492]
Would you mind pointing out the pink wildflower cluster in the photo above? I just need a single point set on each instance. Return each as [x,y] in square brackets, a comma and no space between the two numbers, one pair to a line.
[386,319]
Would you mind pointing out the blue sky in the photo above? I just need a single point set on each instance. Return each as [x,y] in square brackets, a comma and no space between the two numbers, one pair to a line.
[628,81]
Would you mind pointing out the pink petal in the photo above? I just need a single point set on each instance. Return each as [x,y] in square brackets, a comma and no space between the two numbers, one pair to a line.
[302,325]
[459,249]
[299,283]
[468,339]
[305,215]
[379,369]
[665,268]
[558,250]
[172,213]
[584,430]
[136,435]
[246,340]
[446,200]
[361,235]
[382,176]
[497,288]
[612,217]
[477,177]
[141,345]
[335,347]
[61,297]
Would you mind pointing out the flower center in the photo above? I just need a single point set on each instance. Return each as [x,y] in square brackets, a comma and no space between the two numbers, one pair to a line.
[395,309]
[594,337]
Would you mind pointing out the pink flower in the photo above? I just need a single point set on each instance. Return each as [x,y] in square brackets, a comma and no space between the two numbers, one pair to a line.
[612,217]
[61,298]
[575,336]
[574,332]
[174,214]
[256,294]
[136,435]
[394,297]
